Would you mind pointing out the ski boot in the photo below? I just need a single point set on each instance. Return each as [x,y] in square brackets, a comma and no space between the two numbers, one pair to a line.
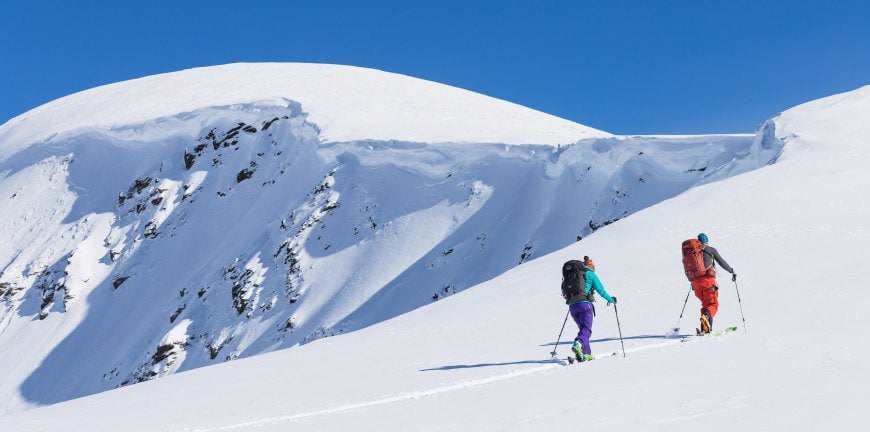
[706,322]
[578,351]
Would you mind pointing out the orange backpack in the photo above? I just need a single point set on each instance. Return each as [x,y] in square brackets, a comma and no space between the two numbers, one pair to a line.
[693,259]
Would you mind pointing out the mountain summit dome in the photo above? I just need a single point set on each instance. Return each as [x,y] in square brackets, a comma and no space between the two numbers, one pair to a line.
[347,103]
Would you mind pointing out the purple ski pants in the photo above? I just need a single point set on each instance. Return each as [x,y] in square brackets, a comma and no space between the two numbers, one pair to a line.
[583,313]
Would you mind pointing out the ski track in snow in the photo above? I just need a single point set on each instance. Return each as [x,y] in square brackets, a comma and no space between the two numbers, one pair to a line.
[504,197]
[462,385]
[310,209]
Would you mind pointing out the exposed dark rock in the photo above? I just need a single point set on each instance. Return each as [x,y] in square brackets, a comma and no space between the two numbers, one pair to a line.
[189,159]
[50,281]
[321,187]
[150,230]
[246,173]
[163,351]
[47,300]
[269,123]
[177,313]
[119,280]
[215,348]
[527,252]
[241,287]
[290,324]
[9,289]
[595,226]
[141,184]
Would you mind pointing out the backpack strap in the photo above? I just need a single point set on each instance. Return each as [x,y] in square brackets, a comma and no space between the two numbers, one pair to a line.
[712,258]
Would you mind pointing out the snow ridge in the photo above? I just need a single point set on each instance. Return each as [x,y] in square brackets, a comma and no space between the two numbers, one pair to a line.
[103,275]
[168,243]
[240,223]
[348,104]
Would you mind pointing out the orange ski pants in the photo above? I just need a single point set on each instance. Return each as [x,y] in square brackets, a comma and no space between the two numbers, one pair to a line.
[706,290]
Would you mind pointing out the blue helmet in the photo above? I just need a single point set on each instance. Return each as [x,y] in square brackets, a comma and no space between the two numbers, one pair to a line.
[703,238]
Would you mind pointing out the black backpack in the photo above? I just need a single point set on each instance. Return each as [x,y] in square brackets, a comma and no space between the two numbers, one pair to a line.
[574,282]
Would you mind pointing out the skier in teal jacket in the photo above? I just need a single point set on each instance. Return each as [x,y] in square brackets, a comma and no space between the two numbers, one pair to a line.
[582,310]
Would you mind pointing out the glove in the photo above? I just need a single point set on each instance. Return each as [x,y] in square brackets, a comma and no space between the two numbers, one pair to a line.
[733,277]
[614,301]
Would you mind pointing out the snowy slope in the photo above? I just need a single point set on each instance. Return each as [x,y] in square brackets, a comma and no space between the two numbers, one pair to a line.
[793,231]
[143,249]
[347,103]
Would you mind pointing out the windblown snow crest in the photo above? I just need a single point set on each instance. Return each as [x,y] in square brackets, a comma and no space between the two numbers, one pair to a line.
[139,251]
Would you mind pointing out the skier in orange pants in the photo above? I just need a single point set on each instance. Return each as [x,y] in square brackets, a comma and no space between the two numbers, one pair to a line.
[705,287]
[706,290]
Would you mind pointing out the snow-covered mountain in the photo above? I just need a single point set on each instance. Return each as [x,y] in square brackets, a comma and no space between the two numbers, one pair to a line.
[186,219]
[346,103]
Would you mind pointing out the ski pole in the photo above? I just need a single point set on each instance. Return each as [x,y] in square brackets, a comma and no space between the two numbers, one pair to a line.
[677,328]
[619,327]
[741,306]
[558,339]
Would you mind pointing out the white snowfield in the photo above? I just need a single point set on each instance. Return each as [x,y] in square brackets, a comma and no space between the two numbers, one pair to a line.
[474,360]
[143,250]
[347,103]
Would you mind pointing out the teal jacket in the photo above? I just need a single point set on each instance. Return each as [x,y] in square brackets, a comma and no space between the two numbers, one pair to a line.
[592,282]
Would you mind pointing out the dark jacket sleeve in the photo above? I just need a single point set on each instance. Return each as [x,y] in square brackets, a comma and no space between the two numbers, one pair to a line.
[718,258]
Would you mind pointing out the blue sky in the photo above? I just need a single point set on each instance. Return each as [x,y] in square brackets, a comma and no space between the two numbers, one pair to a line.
[668,66]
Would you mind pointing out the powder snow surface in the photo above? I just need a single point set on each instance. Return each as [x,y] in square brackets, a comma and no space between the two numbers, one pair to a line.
[347,103]
[474,360]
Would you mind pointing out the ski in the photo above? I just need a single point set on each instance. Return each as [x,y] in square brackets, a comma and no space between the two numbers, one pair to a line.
[726,330]
[571,359]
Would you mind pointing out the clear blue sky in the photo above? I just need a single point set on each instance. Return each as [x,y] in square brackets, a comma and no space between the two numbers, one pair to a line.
[645,66]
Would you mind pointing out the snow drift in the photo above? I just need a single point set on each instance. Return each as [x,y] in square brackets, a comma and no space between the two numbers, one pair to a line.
[347,103]
[792,230]
[184,220]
